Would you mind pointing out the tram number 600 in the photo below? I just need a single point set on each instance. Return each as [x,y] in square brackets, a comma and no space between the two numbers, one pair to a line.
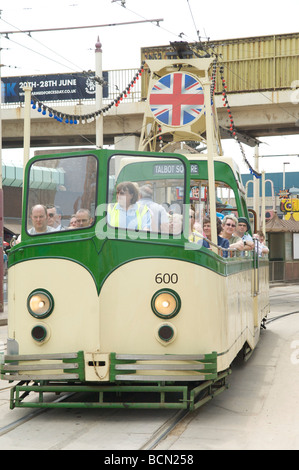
[166,278]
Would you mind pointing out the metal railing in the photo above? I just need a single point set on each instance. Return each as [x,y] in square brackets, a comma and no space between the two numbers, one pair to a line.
[118,81]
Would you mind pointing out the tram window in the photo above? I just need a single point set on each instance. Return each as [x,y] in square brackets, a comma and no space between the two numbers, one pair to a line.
[146,193]
[199,198]
[61,189]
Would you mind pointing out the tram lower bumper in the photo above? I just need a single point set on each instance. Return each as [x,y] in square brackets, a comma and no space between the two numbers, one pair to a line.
[134,381]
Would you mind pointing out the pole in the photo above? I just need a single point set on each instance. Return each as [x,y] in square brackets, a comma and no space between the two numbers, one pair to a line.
[263,203]
[210,155]
[256,186]
[27,109]
[99,94]
[284,175]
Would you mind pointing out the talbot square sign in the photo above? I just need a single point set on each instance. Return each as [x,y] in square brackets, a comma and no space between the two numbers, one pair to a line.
[59,87]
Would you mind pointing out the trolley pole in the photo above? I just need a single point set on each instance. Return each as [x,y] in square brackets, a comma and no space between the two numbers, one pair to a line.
[99,94]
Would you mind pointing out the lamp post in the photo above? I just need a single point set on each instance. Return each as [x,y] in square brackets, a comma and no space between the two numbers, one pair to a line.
[284,175]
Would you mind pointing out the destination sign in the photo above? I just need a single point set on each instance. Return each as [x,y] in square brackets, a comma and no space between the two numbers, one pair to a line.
[59,87]
[173,169]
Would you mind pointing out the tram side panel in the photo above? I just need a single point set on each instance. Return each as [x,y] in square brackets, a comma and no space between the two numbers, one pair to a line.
[212,317]
[240,317]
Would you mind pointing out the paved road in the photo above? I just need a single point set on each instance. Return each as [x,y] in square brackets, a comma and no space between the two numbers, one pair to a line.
[259,410]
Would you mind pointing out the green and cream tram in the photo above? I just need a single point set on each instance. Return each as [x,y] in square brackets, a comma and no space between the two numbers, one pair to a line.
[109,309]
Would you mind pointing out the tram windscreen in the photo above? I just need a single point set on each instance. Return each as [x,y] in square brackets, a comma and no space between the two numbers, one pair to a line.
[137,184]
[62,194]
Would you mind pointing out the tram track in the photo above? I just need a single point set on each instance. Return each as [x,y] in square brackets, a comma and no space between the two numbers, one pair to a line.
[15,424]
[278,317]
[165,429]
[292,298]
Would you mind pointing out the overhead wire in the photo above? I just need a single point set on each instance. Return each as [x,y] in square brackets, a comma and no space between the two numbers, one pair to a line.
[39,42]
[178,35]
[191,13]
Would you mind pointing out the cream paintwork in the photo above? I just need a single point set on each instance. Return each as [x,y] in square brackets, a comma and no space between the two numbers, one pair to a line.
[74,323]
[217,312]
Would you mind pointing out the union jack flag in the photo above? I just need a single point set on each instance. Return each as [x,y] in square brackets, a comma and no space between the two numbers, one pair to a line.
[176,99]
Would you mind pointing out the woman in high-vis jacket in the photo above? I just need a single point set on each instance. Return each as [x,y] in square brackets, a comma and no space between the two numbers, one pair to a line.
[127,212]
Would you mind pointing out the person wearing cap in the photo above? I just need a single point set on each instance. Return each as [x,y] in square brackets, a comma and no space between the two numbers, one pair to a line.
[242,228]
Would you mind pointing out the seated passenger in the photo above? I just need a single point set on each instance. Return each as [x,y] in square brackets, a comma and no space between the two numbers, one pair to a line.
[194,236]
[127,212]
[39,217]
[175,223]
[221,242]
[262,249]
[83,218]
[159,216]
[242,228]
[54,217]
[229,225]
[73,222]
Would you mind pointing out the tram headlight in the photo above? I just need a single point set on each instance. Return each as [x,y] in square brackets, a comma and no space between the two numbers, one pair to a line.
[40,303]
[166,303]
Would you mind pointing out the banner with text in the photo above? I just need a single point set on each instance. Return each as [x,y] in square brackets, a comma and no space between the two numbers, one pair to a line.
[59,87]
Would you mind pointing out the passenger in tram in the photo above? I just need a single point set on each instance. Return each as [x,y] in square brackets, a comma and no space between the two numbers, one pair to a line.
[175,214]
[259,238]
[159,216]
[39,218]
[175,223]
[229,225]
[241,231]
[73,222]
[221,242]
[195,236]
[127,212]
[54,217]
[83,218]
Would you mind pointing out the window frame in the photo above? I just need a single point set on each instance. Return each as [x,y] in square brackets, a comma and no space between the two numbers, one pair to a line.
[26,208]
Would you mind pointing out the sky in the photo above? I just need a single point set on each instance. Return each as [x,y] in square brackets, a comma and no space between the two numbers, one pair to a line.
[73,50]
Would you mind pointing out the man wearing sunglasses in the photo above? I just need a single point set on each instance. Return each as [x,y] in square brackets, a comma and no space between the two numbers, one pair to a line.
[54,217]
